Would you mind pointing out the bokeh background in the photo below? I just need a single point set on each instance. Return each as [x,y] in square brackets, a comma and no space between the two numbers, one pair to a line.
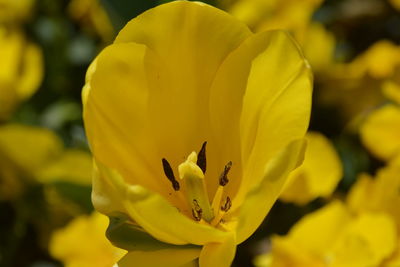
[46,217]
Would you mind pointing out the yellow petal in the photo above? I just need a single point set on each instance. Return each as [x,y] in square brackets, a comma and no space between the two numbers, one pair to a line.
[21,69]
[395,4]
[391,90]
[125,234]
[262,196]
[276,105]
[16,142]
[318,47]
[152,212]
[12,178]
[8,100]
[311,238]
[166,222]
[317,231]
[164,257]
[362,194]
[106,195]
[394,259]
[366,241]
[15,11]
[287,253]
[115,120]
[218,254]
[380,60]
[181,69]
[31,72]
[92,14]
[318,175]
[380,133]
[83,243]
[73,166]
[226,97]
[21,62]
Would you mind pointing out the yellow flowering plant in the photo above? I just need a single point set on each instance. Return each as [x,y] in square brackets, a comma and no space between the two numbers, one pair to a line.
[186,77]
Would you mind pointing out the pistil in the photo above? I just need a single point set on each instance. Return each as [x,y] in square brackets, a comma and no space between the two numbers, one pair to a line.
[196,193]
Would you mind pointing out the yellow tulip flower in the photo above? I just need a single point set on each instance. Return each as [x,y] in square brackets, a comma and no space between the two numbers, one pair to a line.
[82,243]
[319,174]
[332,236]
[186,77]
[21,70]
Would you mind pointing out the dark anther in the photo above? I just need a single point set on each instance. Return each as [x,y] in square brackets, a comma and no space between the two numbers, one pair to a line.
[170,174]
[201,158]
[223,178]
[195,215]
[227,205]
[197,211]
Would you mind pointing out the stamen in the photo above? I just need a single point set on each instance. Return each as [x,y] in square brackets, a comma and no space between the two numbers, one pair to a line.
[223,178]
[217,200]
[196,216]
[197,212]
[221,211]
[227,205]
[201,158]
[170,174]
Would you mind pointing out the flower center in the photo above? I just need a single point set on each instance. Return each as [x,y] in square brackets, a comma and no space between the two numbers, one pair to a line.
[191,174]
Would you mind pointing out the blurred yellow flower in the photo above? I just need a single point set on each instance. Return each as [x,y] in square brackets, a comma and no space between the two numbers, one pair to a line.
[288,14]
[395,4]
[332,236]
[92,15]
[37,154]
[15,11]
[379,61]
[319,47]
[82,243]
[380,194]
[72,165]
[21,70]
[380,132]
[362,79]
[295,16]
[391,90]
[318,175]
[157,94]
